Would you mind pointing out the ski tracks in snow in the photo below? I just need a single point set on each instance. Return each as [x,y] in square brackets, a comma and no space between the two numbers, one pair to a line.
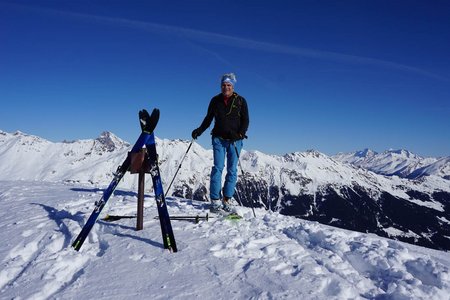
[292,270]
[41,253]
[313,259]
[386,267]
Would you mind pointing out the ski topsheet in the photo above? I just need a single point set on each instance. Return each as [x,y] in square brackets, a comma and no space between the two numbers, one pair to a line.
[148,124]
[164,218]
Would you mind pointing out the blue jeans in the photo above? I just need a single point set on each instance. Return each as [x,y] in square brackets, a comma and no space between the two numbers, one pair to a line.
[222,148]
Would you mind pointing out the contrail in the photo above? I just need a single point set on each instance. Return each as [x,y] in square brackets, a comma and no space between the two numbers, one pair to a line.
[236,42]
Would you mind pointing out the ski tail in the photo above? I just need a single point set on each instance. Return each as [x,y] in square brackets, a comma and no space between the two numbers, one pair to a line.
[99,205]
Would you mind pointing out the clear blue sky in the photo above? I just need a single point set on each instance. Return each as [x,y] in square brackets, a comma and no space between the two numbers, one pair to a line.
[335,76]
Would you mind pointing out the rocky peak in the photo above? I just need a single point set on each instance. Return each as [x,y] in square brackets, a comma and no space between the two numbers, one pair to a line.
[110,142]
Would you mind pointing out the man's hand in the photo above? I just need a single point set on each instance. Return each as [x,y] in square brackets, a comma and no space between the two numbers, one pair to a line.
[196,133]
[236,136]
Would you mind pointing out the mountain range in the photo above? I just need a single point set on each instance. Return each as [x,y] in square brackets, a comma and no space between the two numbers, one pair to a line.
[394,194]
[398,162]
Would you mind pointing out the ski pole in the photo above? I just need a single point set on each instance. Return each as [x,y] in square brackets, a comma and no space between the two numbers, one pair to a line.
[179,167]
[239,196]
[243,177]
[196,218]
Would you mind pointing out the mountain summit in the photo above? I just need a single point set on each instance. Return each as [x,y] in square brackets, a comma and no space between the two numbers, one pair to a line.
[110,142]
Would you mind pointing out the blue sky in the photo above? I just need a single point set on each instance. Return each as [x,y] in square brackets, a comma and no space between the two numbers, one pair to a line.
[335,76]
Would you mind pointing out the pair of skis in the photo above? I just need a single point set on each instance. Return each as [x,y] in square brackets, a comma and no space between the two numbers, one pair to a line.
[147,139]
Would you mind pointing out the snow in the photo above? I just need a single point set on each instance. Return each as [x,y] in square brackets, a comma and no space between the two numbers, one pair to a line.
[432,204]
[267,257]
[439,168]
[444,220]
[396,232]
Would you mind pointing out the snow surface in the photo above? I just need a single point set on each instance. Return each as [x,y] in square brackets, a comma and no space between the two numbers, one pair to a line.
[268,257]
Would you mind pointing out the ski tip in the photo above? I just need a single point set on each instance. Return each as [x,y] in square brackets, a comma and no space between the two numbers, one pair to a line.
[155,112]
[148,122]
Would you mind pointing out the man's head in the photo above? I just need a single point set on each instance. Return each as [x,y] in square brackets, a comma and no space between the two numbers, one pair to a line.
[227,84]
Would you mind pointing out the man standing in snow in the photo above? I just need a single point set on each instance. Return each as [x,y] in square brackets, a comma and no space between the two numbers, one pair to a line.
[230,113]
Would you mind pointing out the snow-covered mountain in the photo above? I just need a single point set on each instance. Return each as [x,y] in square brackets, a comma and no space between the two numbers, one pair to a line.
[307,184]
[440,168]
[402,163]
[28,157]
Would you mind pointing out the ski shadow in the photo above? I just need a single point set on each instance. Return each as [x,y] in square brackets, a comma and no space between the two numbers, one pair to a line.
[126,235]
[58,216]
[174,201]
[115,193]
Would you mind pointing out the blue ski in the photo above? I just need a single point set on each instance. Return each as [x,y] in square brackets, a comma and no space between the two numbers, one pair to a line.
[148,124]
[164,218]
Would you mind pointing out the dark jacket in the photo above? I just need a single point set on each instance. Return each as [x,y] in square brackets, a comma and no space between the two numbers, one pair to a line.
[231,120]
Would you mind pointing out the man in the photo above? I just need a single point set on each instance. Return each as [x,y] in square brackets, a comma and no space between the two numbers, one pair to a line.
[230,113]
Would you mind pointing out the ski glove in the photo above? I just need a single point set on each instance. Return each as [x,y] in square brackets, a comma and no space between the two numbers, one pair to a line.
[196,133]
